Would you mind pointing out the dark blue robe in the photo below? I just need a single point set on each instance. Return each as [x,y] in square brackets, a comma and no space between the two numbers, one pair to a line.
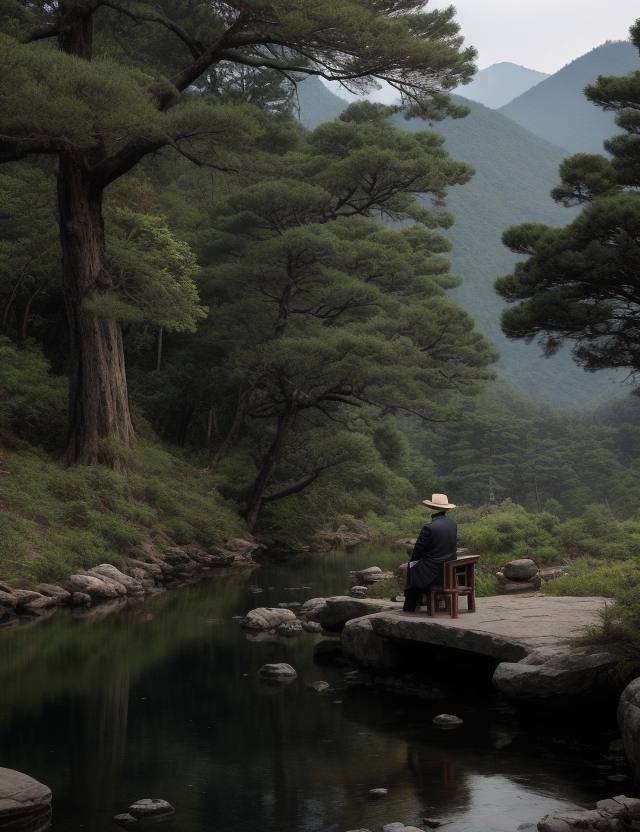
[436,544]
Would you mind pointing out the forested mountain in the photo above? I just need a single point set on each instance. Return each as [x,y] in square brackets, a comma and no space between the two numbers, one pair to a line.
[556,109]
[499,83]
[515,171]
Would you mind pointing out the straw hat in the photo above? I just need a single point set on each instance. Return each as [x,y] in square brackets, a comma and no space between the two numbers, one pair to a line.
[438,501]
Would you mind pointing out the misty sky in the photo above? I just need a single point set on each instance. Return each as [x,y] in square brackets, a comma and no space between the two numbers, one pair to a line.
[539,34]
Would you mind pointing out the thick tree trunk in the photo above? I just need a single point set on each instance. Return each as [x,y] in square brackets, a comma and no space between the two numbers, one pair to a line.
[271,459]
[98,401]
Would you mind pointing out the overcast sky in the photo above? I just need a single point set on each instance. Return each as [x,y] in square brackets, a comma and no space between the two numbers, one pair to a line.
[538,34]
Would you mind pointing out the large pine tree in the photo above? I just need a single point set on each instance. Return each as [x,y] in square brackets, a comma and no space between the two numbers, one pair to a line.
[581,284]
[101,84]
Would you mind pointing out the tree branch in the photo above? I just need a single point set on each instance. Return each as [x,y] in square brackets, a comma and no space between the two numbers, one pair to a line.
[44,32]
[194,46]
[125,159]
[295,487]
[13,149]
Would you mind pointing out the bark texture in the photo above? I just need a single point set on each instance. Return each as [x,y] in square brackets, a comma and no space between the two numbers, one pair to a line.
[98,401]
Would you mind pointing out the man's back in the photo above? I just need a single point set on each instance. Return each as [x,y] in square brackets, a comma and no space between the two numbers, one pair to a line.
[437,541]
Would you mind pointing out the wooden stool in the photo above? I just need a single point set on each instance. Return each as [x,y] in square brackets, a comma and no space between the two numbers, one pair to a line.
[458,579]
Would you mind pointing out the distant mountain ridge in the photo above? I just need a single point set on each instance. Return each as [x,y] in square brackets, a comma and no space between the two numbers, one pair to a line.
[515,171]
[499,83]
[556,109]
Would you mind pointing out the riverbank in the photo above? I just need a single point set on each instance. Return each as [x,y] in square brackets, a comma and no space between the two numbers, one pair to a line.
[139,578]
[163,700]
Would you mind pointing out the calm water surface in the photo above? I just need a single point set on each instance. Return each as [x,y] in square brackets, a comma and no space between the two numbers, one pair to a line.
[162,700]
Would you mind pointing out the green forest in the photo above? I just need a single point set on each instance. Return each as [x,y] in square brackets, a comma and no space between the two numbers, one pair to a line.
[217,321]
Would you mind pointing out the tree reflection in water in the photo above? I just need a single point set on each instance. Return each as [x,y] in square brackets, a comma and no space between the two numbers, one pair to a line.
[162,700]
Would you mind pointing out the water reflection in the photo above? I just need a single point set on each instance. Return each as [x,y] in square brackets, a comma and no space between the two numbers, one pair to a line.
[162,700]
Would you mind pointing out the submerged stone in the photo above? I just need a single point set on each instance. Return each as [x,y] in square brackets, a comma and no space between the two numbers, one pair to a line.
[150,807]
[279,672]
[447,721]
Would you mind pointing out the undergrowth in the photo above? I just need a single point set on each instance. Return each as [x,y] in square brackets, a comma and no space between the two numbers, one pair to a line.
[55,520]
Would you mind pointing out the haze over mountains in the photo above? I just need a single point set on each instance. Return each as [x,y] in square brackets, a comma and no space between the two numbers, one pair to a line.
[516,168]
[500,83]
[556,110]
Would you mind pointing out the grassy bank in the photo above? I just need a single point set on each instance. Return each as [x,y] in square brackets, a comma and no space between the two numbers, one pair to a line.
[55,521]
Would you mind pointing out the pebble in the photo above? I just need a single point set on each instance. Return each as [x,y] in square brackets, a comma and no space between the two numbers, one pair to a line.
[378,792]
[150,807]
[447,721]
[125,819]
[318,687]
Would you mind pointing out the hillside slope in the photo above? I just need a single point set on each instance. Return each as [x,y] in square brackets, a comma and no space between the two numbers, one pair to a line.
[556,109]
[515,171]
[499,83]
[317,104]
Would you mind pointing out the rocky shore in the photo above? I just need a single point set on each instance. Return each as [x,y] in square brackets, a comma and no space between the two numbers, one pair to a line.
[150,573]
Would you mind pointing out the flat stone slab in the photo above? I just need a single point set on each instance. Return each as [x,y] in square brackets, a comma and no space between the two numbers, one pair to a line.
[505,627]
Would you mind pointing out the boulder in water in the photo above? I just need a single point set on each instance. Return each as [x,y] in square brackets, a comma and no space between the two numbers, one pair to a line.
[279,672]
[25,804]
[266,618]
[150,807]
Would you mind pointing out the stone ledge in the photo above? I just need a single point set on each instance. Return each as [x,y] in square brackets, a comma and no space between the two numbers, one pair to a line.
[503,627]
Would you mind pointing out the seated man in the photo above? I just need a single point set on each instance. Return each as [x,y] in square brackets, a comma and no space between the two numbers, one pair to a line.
[437,544]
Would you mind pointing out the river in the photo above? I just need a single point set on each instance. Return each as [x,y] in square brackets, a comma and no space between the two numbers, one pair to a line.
[161,700]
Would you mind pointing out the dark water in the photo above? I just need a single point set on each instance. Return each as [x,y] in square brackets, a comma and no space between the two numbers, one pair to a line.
[161,700]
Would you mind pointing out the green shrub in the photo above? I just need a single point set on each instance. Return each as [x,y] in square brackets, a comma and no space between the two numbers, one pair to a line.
[388,590]
[486,583]
[33,403]
[596,577]
[397,523]
[15,534]
[75,514]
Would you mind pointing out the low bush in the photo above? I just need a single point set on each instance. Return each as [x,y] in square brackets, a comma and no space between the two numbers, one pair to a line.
[595,577]
[387,590]
[33,403]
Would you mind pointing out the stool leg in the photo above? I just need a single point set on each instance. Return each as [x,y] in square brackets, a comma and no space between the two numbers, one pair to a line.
[454,604]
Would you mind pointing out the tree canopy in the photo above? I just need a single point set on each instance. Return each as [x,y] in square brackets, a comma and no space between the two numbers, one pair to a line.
[581,283]
[322,316]
[126,79]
